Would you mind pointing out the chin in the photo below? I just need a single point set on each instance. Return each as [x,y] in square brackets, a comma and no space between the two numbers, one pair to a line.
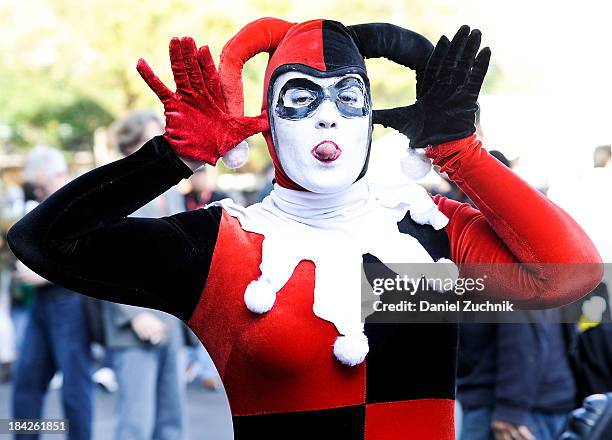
[326,182]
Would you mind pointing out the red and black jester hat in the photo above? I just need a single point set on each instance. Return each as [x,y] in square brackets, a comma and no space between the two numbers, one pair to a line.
[319,48]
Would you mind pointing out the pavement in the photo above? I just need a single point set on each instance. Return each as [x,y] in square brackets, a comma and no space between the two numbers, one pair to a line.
[209,414]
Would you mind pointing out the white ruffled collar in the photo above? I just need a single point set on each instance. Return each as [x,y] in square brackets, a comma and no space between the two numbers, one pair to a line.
[334,231]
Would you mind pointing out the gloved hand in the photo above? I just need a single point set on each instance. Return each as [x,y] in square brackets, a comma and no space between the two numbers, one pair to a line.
[198,126]
[446,96]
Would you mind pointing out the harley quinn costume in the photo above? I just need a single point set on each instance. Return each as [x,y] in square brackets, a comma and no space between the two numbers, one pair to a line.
[272,290]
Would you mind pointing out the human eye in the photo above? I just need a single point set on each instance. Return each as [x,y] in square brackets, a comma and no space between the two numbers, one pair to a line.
[298,98]
[352,96]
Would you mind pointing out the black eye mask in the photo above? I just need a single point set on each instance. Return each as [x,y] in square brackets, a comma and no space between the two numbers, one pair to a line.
[299,98]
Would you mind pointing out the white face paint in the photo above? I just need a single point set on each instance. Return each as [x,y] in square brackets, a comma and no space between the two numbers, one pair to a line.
[325,151]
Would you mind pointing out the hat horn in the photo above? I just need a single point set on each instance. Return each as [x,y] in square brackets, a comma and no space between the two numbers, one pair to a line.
[400,45]
[263,35]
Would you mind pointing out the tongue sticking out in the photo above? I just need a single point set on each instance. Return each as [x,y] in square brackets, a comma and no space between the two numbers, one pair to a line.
[326,151]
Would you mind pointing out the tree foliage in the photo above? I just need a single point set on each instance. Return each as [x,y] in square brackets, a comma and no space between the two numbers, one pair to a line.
[68,67]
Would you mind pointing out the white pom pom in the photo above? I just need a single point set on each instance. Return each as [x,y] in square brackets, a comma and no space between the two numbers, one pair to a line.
[237,156]
[415,165]
[444,277]
[259,296]
[351,349]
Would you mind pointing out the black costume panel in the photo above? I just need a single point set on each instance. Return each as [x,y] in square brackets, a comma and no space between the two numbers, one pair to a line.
[345,423]
[81,237]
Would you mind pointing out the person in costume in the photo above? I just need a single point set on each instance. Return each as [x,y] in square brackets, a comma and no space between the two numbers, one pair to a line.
[273,290]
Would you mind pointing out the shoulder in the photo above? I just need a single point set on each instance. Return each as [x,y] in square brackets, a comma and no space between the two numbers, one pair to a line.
[199,219]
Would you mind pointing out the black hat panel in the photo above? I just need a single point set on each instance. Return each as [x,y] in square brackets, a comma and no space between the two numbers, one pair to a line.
[339,48]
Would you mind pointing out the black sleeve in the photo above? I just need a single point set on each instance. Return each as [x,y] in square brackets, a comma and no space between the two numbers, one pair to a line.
[519,371]
[82,239]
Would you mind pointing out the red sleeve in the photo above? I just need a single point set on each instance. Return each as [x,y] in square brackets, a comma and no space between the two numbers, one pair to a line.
[514,223]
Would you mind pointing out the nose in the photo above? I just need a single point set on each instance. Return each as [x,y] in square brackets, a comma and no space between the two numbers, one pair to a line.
[327,115]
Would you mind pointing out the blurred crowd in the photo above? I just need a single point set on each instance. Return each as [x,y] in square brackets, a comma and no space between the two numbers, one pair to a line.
[515,381]
[51,337]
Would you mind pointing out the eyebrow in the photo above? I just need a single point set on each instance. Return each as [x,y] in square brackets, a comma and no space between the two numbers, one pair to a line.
[295,83]
[300,82]
[359,81]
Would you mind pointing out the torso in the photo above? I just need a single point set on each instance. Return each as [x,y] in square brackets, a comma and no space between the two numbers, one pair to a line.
[280,374]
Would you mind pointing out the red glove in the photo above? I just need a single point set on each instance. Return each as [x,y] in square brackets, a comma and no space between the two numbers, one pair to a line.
[197,123]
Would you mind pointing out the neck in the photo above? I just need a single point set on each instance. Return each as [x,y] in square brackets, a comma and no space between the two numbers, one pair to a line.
[309,205]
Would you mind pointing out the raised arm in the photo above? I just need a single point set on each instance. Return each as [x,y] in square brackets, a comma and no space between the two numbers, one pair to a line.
[81,237]
[514,223]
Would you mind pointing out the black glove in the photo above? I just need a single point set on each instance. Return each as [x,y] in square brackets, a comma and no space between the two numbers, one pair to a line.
[446,96]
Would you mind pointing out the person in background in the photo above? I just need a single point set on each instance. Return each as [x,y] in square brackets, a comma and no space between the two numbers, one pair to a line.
[203,191]
[15,298]
[593,354]
[57,337]
[8,346]
[146,345]
[515,379]
[268,175]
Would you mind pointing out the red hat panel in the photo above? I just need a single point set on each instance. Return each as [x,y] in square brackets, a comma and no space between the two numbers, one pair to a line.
[303,44]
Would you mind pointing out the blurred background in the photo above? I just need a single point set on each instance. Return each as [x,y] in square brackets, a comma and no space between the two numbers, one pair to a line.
[67,68]
[67,72]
